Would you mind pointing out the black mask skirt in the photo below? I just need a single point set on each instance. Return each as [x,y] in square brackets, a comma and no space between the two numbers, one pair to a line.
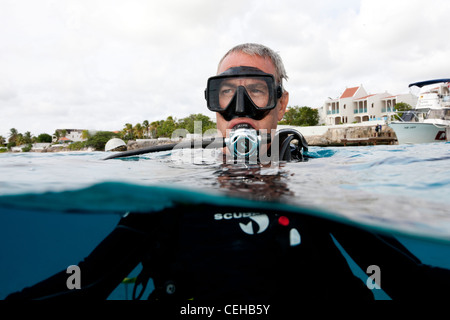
[242,92]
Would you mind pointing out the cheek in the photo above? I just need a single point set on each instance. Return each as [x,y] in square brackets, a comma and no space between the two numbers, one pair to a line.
[270,121]
[221,124]
[276,115]
[280,115]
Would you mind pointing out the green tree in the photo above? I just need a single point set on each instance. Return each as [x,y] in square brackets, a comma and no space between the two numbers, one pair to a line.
[27,137]
[27,148]
[57,135]
[78,145]
[188,123]
[146,126]
[128,132]
[85,134]
[20,139]
[300,116]
[99,140]
[138,131]
[44,137]
[16,139]
[167,127]
[154,128]
[13,134]
[402,106]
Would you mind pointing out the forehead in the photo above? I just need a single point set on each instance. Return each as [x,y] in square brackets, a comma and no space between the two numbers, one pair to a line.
[238,59]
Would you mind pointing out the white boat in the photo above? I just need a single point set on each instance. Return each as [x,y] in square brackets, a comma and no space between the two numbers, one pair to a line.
[429,121]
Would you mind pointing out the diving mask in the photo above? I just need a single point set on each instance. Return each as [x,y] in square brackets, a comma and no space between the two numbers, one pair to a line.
[242,92]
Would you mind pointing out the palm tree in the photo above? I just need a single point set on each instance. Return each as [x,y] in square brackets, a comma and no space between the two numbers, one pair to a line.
[138,130]
[27,137]
[85,134]
[57,135]
[128,131]
[20,139]
[154,128]
[146,126]
[13,135]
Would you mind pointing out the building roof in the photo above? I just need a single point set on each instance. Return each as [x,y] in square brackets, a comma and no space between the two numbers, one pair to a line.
[349,92]
[363,98]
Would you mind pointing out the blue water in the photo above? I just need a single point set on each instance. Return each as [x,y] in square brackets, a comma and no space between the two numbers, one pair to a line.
[56,207]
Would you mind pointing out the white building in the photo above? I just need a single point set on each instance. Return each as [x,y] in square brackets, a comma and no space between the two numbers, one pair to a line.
[71,134]
[388,103]
[356,105]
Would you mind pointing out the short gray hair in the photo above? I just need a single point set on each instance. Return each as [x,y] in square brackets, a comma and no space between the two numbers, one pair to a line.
[262,51]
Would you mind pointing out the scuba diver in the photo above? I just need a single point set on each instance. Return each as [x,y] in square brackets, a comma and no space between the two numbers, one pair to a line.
[217,253]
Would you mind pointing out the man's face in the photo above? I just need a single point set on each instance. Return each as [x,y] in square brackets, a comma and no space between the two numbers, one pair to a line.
[270,121]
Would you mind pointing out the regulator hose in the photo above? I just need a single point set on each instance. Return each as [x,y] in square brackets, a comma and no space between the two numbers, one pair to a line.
[285,137]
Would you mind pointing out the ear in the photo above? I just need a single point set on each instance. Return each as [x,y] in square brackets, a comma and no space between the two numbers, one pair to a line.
[282,104]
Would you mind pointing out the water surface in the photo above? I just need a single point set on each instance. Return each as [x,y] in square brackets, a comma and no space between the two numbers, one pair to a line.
[404,186]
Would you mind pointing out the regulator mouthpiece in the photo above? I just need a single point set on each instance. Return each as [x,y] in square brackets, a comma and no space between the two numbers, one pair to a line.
[244,142]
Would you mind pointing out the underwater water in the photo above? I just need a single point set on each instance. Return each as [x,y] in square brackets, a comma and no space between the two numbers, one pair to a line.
[55,207]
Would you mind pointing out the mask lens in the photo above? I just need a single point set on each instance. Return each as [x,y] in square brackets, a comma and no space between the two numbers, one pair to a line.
[260,89]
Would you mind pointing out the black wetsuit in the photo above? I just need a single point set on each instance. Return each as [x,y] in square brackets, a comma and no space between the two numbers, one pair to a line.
[215,253]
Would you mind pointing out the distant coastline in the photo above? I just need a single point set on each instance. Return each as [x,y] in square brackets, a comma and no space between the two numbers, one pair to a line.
[348,134]
[321,136]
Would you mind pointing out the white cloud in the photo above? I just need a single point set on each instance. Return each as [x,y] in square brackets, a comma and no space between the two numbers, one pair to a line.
[99,64]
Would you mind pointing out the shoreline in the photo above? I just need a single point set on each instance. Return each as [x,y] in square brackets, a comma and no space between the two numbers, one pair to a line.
[347,134]
[316,136]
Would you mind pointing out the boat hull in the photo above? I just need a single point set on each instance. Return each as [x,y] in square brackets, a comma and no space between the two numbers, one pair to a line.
[419,132]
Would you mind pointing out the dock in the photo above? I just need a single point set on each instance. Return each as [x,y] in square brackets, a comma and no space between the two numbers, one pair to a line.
[368,141]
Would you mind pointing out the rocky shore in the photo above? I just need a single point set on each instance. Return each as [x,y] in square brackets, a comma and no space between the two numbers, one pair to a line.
[344,135]
[145,143]
[48,147]
[323,136]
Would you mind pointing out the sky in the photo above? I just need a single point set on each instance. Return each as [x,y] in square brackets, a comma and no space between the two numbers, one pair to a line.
[99,64]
